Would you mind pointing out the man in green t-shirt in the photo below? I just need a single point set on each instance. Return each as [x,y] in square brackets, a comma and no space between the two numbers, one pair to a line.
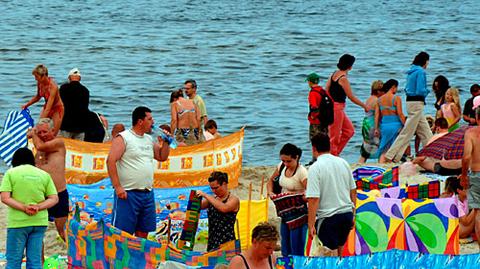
[191,92]
[27,191]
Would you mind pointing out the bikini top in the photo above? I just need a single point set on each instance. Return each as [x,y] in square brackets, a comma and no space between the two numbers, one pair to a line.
[391,108]
[45,91]
[336,90]
[248,267]
[183,111]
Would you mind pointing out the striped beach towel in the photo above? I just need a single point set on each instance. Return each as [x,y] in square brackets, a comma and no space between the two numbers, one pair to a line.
[14,135]
[292,208]
[192,216]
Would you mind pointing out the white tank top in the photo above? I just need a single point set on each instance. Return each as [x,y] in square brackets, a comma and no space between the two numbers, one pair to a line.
[135,167]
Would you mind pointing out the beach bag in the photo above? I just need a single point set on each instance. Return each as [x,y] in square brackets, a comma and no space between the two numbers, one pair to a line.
[313,246]
[277,189]
[292,208]
[14,135]
[325,108]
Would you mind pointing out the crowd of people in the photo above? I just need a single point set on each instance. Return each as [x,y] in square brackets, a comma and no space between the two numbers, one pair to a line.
[387,132]
[327,191]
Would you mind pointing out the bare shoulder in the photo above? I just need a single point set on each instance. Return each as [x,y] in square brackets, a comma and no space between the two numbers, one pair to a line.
[236,263]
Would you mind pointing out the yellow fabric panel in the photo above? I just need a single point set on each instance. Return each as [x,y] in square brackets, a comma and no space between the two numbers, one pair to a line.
[249,215]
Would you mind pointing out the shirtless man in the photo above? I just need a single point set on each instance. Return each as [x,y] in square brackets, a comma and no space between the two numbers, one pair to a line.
[471,161]
[50,158]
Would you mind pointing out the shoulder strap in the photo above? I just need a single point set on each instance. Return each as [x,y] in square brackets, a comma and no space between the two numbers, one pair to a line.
[339,78]
[270,261]
[281,168]
[244,261]
[393,101]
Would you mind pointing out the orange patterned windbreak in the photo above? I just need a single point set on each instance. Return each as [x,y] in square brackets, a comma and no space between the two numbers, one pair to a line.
[186,166]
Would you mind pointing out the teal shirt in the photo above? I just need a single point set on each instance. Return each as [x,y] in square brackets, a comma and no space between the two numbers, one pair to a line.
[28,185]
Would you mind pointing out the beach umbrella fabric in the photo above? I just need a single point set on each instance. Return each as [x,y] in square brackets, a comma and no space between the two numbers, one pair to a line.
[14,135]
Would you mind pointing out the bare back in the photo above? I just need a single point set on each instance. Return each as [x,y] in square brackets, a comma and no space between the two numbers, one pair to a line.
[187,113]
[53,162]
[472,142]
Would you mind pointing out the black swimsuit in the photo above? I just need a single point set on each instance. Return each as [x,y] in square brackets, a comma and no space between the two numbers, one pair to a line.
[248,267]
[336,90]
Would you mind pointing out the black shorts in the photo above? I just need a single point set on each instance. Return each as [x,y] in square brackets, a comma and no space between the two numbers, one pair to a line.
[61,209]
[439,169]
[335,229]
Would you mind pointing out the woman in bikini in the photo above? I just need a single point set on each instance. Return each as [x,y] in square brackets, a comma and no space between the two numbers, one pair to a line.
[260,254]
[389,117]
[48,89]
[185,121]
[338,86]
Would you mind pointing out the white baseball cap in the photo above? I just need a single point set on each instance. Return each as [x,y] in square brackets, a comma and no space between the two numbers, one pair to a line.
[476,102]
[74,72]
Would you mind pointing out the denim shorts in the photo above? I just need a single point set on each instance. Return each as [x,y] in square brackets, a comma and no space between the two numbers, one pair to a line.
[474,191]
[136,213]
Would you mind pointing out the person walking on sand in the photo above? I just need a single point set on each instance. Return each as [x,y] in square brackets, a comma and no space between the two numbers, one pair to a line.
[50,158]
[75,98]
[369,148]
[130,167]
[388,116]
[471,162]
[222,210]
[314,99]
[48,89]
[260,255]
[27,191]
[417,91]
[338,87]
[331,195]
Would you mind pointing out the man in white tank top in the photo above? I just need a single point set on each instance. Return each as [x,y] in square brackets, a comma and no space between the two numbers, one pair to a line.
[130,167]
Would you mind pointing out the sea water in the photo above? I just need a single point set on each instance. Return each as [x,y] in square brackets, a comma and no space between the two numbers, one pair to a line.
[250,58]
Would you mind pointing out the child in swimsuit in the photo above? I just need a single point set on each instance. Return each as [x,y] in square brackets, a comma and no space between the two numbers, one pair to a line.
[451,109]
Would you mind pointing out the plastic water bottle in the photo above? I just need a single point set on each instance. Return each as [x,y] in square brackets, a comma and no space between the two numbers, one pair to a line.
[169,139]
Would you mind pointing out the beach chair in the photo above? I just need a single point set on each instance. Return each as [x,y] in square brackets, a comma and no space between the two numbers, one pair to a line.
[14,135]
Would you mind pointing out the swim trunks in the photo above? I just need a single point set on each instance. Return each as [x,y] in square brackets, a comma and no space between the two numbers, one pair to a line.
[136,213]
[334,230]
[61,209]
[439,169]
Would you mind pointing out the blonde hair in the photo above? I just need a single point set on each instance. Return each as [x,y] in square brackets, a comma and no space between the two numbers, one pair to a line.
[265,231]
[377,85]
[40,70]
[455,95]
[47,121]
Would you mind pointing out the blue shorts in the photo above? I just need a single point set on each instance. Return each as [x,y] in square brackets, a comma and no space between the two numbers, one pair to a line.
[136,213]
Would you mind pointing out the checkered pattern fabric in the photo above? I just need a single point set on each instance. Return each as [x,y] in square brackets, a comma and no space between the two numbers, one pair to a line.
[429,190]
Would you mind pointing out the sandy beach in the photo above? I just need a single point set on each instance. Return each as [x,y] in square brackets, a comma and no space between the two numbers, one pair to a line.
[251,175]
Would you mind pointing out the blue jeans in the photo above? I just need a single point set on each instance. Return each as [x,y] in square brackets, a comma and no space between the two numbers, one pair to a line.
[293,241]
[29,238]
